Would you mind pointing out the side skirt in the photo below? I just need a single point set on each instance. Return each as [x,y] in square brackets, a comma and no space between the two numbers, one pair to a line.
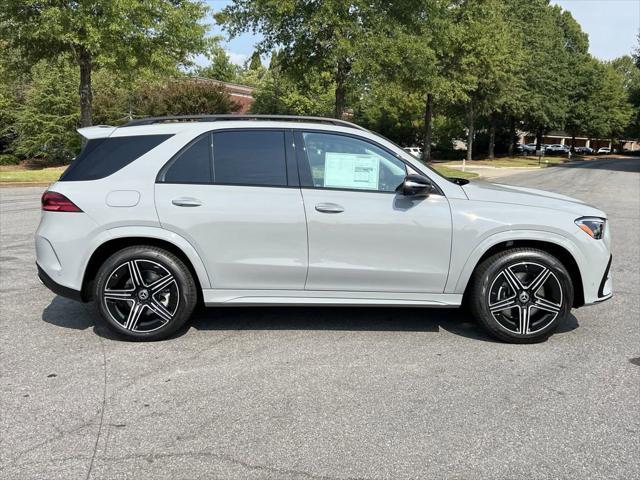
[217,297]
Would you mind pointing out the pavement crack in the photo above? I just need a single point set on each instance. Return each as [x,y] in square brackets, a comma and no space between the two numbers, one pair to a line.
[104,402]
[61,434]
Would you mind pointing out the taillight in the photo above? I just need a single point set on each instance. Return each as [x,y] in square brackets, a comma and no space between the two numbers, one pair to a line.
[56,202]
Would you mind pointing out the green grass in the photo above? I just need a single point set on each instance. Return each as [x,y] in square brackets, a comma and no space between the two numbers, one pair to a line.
[515,162]
[453,172]
[17,174]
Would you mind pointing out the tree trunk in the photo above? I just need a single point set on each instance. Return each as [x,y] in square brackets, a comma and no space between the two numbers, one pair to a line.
[339,106]
[573,143]
[342,72]
[428,129]
[539,139]
[492,136]
[470,133]
[512,136]
[83,57]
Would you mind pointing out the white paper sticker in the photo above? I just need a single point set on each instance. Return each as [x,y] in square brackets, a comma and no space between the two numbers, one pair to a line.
[351,170]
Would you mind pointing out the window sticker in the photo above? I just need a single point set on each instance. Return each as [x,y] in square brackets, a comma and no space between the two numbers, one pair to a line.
[351,170]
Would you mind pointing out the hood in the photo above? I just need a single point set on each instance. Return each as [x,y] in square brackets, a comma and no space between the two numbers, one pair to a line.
[494,192]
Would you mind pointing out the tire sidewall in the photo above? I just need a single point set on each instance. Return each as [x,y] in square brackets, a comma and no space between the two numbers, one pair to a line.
[176,267]
[494,268]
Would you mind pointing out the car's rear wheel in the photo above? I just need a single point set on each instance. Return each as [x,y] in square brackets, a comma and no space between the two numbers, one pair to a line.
[521,295]
[145,293]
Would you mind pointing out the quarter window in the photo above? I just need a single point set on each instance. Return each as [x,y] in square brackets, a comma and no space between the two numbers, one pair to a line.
[104,156]
[343,162]
[250,157]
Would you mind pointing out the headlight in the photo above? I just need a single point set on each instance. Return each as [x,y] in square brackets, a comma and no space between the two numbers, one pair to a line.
[593,226]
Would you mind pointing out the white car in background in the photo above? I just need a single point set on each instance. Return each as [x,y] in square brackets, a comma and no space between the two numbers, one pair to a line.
[604,150]
[530,148]
[161,214]
[415,151]
[557,148]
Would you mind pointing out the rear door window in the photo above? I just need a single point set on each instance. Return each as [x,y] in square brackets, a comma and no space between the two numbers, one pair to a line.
[105,156]
[191,165]
[249,157]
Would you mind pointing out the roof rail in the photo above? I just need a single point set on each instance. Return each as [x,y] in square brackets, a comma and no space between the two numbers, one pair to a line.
[227,117]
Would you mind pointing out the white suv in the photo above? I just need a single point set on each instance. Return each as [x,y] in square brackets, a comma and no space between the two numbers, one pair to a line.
[162,213]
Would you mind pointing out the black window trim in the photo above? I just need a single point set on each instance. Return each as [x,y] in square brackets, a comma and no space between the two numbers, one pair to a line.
[303,161]
[291,169]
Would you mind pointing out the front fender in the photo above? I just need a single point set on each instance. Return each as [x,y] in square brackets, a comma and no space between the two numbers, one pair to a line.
[457,281]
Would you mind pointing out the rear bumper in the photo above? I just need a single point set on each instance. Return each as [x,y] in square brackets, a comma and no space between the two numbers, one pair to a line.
[57,288]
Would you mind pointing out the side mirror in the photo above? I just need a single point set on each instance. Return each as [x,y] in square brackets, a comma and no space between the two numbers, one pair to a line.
[415,186]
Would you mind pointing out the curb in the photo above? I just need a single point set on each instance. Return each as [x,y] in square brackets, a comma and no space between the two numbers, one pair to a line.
[24,184]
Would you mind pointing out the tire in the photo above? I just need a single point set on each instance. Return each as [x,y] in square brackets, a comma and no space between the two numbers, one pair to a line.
[145,293]
[521,295]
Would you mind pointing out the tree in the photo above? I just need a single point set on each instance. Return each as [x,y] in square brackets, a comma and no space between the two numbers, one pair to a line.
[408,53]
[314,37]
[220,65]
[582,117]
[123,34]
[47,120]
[254,62]
[541,101]
[483,62]
[279,92]
[629,69]
[392,111]
[611,102]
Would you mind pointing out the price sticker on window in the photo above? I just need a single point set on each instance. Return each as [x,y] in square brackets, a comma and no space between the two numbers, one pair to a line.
[351,170]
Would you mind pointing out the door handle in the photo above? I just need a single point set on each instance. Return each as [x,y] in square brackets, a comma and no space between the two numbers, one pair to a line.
[186,202]
[329,208]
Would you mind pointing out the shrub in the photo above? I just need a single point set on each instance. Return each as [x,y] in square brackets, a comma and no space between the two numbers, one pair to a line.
[8,159]
[182,97]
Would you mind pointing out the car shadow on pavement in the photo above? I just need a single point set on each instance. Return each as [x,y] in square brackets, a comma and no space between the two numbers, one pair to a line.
[73,315]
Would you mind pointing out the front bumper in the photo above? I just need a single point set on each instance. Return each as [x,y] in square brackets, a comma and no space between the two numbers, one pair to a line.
[57,288]
[605,291]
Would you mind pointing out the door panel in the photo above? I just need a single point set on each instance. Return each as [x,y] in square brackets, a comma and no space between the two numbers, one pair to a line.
[227,193]
[362,235]
[248,237]
[376,241]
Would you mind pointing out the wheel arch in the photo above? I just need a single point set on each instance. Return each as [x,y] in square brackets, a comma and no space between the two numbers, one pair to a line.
[558,250]
[112,245]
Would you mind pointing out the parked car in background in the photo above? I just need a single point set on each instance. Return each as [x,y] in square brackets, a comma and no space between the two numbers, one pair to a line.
[604,150]
[557,148]
[161,214]
[529,148]
[519,148]
[415,151]
[584,150]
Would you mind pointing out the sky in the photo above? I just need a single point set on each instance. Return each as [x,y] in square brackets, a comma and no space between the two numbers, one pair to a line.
[612,26]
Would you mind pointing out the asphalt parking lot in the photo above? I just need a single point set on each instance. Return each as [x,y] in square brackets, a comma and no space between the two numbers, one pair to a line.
[323,393]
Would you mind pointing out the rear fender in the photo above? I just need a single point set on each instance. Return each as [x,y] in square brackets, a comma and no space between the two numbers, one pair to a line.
[158,234]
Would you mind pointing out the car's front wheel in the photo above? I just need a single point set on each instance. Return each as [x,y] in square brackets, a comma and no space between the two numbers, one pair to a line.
[521,295]
[145,293]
